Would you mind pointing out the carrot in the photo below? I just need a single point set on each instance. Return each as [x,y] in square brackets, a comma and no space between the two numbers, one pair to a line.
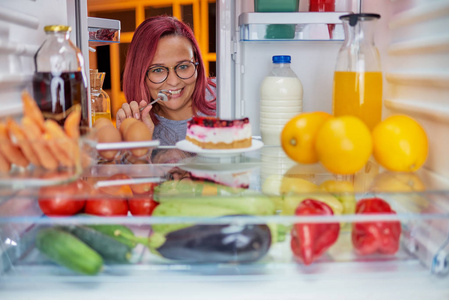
[9,150]
[5,165]
[17,132]
[72,123]
[55,149]
[66,146]
[34,135]
[31,110]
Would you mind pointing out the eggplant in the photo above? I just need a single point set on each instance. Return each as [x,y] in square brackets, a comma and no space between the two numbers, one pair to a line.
[221,243]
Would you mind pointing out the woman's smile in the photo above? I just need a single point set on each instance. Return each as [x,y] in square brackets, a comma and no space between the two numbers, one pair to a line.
[175,92]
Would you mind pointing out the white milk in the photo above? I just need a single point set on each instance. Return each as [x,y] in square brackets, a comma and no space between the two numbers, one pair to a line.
[278,91]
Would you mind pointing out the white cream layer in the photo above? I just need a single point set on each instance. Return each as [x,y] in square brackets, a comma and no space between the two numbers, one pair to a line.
[219,135]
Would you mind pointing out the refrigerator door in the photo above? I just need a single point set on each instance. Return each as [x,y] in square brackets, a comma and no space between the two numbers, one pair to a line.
[413,43]
[21,34]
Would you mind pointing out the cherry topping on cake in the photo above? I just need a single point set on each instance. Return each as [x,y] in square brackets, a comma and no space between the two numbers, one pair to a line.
[213,122]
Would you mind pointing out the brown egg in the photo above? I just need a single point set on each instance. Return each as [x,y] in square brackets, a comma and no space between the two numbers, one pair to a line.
[108,134]
[125,125]
[137,132]
[102,122]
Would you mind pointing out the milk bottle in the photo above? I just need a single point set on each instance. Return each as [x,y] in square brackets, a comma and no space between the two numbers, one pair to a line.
[280,99]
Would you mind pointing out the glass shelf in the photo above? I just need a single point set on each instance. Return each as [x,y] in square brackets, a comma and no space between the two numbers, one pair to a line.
[103,31]
[291,26]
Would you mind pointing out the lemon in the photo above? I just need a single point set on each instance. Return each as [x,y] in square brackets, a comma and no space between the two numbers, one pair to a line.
[344,145]
[299,134]
[400,144]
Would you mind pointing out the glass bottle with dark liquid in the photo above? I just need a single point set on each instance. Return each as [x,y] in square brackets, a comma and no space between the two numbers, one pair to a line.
[59,83]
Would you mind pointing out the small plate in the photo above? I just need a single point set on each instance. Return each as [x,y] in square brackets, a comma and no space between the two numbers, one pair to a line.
[187,146]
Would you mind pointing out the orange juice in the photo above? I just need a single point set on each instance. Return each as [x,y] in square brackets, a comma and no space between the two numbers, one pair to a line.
[358,94]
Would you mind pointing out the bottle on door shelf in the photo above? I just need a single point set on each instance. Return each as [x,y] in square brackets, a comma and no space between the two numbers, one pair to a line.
[59,82]
[100,104]
[281,96]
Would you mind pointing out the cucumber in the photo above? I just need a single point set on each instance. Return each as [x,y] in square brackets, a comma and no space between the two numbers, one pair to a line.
[113,231]
[68,251]
[108,247]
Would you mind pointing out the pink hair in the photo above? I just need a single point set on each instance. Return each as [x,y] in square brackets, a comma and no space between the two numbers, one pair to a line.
[141,52]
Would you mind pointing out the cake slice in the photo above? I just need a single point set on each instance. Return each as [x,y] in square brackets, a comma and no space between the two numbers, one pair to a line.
[215,133]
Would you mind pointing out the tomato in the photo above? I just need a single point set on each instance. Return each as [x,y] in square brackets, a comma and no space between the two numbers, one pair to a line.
[106,206]
[142,188]
[63,200]
[121,190]
[142,206]
[110,200]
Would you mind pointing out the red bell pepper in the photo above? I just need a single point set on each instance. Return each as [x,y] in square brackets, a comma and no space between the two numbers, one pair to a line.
[310,240]
[381,236]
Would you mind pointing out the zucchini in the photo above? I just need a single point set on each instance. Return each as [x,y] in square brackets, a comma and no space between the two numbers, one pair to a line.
[68,251]
[108,247]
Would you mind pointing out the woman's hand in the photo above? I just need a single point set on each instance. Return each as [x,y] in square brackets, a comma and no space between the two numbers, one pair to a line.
[132,110]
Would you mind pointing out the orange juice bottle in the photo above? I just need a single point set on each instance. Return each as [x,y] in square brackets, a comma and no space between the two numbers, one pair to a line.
[358,77]
[358,94]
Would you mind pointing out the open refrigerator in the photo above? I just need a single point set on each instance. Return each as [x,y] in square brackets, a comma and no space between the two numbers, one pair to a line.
[413,44]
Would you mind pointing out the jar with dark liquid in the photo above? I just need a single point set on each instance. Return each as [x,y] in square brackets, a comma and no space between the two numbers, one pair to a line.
[59,83]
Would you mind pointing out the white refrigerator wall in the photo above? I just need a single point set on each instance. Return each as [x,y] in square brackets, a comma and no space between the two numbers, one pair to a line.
[242,65]
[413,41]
[22,25]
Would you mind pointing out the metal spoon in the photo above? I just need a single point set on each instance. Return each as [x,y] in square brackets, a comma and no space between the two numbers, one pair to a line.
[162,95]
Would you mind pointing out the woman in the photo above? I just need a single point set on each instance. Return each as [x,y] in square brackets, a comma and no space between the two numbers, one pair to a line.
[164,55]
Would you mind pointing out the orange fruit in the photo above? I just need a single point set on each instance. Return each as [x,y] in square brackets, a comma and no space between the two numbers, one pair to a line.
[298,136]
[344,145]
[400,144]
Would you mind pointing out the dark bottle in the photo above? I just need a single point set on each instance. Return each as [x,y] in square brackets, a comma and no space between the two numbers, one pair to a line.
[59,83]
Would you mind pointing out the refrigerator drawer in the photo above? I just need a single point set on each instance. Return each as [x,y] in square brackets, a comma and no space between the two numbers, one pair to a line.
[208,229]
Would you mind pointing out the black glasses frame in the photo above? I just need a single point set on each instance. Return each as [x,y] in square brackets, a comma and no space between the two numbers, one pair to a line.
[195,63]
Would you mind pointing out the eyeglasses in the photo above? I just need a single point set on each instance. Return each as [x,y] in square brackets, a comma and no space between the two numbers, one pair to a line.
[183,70]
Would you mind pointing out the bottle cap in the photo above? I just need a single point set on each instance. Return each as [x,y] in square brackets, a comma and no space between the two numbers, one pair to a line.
[354,18]
[282,59]
[57,28]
